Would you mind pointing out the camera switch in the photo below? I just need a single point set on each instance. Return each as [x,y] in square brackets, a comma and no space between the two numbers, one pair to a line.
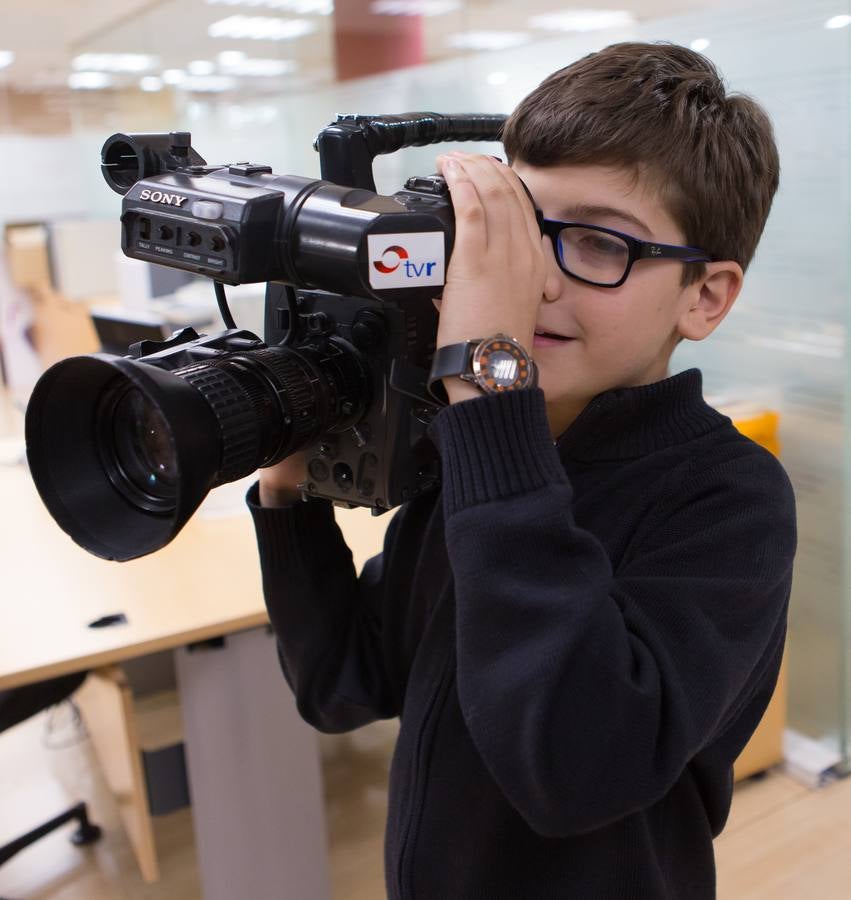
[319,471]
[428,184]
[247,168]
[207,209]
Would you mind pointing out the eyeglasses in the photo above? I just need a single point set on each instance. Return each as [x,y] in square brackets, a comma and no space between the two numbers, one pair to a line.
[603,257]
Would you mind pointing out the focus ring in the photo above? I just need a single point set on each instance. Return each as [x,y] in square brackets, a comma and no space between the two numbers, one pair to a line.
[300,395]
[236,411]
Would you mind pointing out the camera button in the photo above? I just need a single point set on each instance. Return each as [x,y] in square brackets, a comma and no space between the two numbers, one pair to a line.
[207,209]
[247,168]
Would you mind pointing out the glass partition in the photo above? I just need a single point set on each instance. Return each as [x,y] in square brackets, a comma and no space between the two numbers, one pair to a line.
[784,342]
[263,99]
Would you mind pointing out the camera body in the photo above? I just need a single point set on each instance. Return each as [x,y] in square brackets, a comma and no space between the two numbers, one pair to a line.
[123,449]
[379,268]
[376,453]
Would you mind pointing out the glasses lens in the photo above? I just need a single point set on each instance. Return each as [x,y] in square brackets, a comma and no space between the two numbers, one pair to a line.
[593,255]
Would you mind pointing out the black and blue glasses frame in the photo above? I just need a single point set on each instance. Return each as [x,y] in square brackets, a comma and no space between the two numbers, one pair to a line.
[638,249]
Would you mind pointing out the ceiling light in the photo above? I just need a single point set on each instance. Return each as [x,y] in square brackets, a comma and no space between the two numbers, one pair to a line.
[299,7]
[413,7]
[6,58]
[201,67]
[231,57]
[173,76]
[838,22]
[583,20]
[259,67]
[487,40]
[699,44]
[151,83]
[114,62]
[208,83]
[91,81]
[496,78]
[260,28]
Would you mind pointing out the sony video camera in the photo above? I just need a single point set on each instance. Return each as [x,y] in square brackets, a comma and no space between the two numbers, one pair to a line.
[123,449]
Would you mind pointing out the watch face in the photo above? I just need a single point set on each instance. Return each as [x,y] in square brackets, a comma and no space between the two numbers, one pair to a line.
[501,364]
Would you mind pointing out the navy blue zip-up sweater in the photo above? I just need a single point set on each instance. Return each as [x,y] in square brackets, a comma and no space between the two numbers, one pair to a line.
[579,638]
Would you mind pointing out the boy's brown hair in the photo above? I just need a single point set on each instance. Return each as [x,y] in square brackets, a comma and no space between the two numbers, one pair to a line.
[662,111]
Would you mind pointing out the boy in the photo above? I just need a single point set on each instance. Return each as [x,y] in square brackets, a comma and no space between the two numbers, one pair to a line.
[579,636]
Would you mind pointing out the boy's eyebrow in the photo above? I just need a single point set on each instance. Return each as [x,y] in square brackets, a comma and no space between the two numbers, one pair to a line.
[578,213]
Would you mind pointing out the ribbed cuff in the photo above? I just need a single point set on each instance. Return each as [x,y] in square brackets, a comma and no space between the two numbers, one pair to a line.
[286,534]
[495,446]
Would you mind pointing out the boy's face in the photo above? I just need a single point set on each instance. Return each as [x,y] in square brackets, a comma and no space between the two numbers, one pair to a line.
[621,337]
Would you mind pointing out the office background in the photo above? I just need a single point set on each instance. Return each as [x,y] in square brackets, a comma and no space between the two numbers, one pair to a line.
[79,72]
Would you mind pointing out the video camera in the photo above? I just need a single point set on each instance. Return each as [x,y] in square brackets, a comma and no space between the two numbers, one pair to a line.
[123,449]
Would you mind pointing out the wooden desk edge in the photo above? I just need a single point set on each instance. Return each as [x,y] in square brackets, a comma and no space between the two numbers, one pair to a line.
[131,651]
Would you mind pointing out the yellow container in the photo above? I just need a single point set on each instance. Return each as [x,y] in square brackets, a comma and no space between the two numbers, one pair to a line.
[765,748]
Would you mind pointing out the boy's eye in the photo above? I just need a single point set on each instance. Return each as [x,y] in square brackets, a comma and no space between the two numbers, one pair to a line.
[601,244]
[593,255]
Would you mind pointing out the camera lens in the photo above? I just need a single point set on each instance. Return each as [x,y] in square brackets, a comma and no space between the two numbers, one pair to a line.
[123,452]
[138,450]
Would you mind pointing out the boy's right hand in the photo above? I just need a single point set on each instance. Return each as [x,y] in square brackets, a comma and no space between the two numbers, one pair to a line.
[278,482]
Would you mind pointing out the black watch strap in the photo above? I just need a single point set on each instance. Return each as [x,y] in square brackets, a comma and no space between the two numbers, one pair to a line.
[453,359]
[459,360]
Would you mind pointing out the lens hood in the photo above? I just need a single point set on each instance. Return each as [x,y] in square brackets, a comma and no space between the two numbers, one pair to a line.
[76,475]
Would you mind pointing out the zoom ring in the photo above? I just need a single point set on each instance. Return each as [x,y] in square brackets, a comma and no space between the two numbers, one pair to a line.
[299,396]
[236,410]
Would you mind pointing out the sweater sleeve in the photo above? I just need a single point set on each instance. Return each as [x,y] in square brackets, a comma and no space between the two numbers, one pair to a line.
[327,620]
[588,691]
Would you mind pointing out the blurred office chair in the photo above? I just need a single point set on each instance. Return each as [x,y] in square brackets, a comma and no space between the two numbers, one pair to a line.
[19,704]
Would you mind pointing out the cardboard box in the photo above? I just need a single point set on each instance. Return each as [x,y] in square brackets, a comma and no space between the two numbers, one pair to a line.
[27,256]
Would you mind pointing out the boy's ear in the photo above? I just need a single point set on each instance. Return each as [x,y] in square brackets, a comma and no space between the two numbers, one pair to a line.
[709,299]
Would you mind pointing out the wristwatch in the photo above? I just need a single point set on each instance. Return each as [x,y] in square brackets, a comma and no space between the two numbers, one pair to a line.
[494,364]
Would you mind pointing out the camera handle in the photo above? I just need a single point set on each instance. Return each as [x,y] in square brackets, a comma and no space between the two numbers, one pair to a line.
[348,146]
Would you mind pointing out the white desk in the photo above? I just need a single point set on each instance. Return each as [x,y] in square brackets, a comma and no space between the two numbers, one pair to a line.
[253,764]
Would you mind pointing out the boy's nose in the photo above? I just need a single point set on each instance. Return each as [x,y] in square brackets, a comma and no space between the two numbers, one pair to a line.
[554,281]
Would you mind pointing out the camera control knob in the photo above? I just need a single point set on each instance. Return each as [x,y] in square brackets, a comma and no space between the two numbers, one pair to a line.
[207,209]
[180,143]
[427,184]
[368,332]
[247,168]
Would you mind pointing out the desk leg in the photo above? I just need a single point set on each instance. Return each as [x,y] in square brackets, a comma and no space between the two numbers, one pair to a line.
[254,775]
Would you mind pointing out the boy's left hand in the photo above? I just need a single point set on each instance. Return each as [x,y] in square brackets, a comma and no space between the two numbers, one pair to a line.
[496,275]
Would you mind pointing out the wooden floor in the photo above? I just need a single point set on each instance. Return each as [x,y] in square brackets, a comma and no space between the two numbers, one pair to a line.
[783,841]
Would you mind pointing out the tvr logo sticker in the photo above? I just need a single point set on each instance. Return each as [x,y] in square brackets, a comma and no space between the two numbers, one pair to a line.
[405,260]
[394,251]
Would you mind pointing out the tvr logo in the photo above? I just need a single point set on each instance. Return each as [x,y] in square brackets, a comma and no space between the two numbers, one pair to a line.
[395,256]
[410,260]
[400,253]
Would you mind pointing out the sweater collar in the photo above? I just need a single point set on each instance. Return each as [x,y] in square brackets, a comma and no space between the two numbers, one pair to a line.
[625,423]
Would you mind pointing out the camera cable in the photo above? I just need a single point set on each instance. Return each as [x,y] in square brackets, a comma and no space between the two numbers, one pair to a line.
[222,301]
